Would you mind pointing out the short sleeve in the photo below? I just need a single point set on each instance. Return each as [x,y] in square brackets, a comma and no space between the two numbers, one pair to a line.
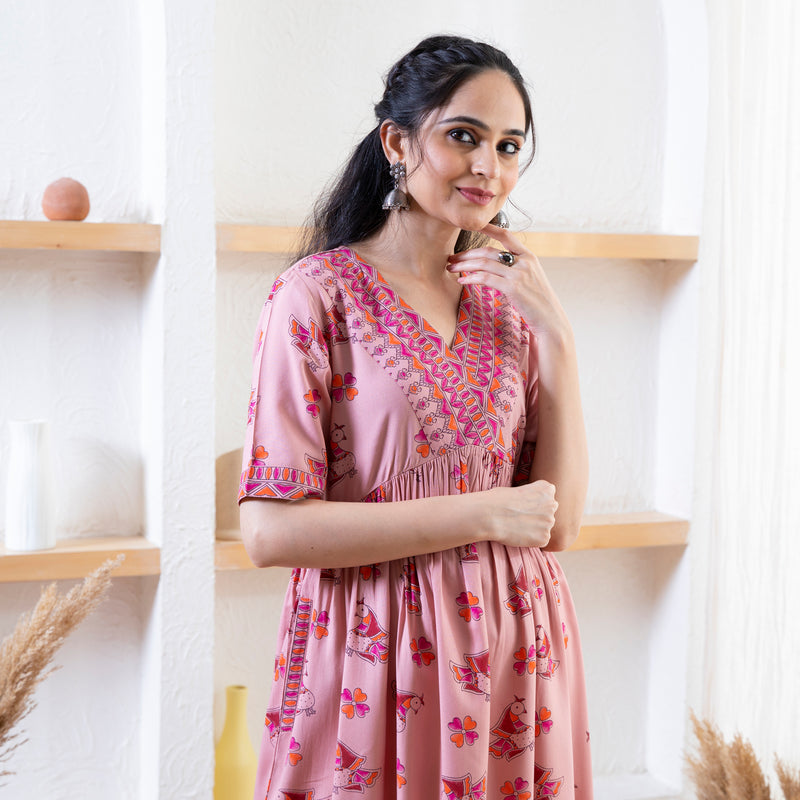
[289,411]
[522,472]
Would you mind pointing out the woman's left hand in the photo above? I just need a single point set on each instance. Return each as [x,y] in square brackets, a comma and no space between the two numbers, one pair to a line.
[524,283]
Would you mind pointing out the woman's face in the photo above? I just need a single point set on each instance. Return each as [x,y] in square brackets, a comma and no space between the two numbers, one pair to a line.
[467,159]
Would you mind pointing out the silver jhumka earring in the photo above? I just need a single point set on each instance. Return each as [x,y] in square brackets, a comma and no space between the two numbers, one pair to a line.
[500,219]
[397,198]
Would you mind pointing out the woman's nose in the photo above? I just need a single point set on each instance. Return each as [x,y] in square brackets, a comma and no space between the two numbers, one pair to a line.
[486,162]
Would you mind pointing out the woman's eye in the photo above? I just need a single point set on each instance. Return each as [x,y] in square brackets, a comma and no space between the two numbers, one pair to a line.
[509,148]
[460,135]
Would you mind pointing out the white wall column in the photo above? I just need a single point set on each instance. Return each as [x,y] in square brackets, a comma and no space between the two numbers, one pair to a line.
[177,734]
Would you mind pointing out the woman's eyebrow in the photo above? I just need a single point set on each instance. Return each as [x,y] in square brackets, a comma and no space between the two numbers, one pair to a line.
[482,125]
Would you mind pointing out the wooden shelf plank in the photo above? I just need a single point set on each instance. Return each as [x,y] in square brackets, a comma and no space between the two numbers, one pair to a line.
[634,529]
[76,558]
[231,555]
[267,239]
[640,246]
[598,531]
[256,239]
[122,236]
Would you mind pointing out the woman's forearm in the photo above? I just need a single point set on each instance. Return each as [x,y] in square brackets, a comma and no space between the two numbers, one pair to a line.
[561,455]
[319,533]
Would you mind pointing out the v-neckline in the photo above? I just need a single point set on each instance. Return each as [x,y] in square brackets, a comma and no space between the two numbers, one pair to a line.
[431,334]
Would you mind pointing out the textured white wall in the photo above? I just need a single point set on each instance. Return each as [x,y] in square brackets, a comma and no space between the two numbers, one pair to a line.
[70,328]
[293,99]
[83,736]
[71,90]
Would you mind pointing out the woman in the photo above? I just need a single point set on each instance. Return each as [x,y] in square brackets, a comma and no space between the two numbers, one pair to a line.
[415,413]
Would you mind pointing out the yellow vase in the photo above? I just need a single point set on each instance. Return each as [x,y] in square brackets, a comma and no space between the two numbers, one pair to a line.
[235,764]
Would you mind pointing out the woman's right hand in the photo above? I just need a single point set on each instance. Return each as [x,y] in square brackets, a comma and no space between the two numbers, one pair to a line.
[523,516]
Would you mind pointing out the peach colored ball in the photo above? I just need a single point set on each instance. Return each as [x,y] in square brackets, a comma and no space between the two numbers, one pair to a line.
[65,199]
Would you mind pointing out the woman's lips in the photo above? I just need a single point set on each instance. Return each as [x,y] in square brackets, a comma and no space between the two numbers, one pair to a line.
[477,196]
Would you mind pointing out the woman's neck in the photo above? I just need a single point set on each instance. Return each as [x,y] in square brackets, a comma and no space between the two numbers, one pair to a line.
[410,244]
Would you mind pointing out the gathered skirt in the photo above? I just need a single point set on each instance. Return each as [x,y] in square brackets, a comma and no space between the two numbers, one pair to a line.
[456,674]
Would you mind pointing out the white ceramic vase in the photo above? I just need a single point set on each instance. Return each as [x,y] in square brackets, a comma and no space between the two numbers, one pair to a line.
[29,513]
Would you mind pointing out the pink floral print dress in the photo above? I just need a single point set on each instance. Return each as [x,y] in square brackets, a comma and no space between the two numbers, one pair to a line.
[453,674]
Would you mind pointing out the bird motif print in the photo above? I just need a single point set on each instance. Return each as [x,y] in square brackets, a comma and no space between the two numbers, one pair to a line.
[512,734]
[406,701]
[350,774]
[367,639]
[464,788]
[474,675]
[545,665]
[308,340]
[342,463]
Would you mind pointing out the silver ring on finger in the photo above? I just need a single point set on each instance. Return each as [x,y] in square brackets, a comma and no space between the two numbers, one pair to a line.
[504,257]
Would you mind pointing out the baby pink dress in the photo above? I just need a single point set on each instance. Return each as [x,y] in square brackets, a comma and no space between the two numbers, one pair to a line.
[454,674]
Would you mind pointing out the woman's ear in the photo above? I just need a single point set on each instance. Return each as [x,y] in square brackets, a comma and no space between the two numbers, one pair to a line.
[394,142]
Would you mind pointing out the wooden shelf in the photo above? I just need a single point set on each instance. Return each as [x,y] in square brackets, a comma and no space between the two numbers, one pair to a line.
[266,239]
[122,236]
[76,558]
[146,238]
[634,529]
[231,555]
[598,531]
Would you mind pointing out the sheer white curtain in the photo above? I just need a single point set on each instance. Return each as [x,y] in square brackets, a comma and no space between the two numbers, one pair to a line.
[746,537]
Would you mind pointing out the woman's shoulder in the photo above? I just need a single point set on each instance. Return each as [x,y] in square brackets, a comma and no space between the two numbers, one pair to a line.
[320,268]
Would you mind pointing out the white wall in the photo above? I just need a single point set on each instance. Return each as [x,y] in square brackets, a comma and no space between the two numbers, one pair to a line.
[293,98]
[72,94]
[294,85]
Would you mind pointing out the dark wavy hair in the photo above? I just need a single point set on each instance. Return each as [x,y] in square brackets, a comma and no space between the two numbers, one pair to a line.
[420,82]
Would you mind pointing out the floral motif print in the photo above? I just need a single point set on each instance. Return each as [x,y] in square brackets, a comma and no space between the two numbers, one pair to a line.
[400,769]
[343,387]
[421,651]
[461,477]
[543,721]
[319,622]
[470,610]
[312,398]
[463,731]
[280,666]
[525,660]
[423,445]
[294,757]
[518,790]
[354,703]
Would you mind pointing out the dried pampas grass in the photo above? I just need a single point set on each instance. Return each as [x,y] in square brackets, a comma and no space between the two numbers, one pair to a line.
[707,770]
[789,780]
[26,654]
[730,771]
